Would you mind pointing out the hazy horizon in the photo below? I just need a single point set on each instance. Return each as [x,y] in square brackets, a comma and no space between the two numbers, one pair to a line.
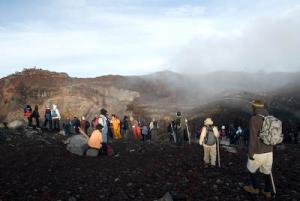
[86,38]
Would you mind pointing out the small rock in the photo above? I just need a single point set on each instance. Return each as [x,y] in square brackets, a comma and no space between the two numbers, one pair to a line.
[215,186]
[219,181]
[117,179]
[72,199]
[129,184]
[241,184]
[17,124]
[166,197]
[132,150]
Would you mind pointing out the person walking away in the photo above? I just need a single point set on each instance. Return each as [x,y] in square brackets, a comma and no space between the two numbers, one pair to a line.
[36,115]
[260,155]
[116,127]
[208,139]
[84,124]
[55,117]
[125,127]
[145,132]
[48,117]
[27,114]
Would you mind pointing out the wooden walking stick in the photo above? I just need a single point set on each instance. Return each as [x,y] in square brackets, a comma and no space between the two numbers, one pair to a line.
[273,184]
[188,131]
[218,147]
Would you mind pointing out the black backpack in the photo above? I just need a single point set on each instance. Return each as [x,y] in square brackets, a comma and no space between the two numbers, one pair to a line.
[210,138]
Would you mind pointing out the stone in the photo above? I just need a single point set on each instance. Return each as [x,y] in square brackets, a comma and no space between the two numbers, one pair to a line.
[166,197]
[92,152]
[76,144]
[129,184]
[219,181]
[17,124]
[72,199]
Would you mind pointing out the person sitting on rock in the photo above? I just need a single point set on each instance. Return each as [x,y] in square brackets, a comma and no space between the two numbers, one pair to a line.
[95,142]
[208,139]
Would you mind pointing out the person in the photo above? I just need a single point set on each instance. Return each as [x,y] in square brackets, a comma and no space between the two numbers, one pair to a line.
[125,126]
[27,114]
[136,130]
[103,123]
[231,134]
[260,155]
[48,117]
[145,132]
[96,139]
[170,130]
[84,124]
[223,132]
[36,115]
[239,134]
[55,117]
[76,125]
[67,125]
[208,139]
[180,127]
[95,121]
[116,127]
[153,127]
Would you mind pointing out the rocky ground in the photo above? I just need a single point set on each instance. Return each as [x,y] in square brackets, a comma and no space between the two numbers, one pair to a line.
[36,166]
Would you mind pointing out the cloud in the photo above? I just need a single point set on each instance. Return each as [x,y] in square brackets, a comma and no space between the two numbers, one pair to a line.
[268,43]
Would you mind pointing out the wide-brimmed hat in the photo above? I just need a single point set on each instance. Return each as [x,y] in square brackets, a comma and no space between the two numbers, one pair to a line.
[208,122]
[258,103]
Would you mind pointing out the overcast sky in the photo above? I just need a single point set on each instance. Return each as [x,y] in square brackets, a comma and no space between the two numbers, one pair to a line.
[88,38]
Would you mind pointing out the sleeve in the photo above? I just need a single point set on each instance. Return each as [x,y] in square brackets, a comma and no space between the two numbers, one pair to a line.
[216,132]
[203,133]
[252,138]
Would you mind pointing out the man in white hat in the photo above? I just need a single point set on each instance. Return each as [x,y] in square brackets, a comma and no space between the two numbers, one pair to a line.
[208,139]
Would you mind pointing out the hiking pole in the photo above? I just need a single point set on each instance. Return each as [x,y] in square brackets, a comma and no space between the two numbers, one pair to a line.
[218,147]
[273,184]
[188,131]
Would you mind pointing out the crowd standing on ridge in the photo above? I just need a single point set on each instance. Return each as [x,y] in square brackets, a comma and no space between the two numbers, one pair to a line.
[104,128]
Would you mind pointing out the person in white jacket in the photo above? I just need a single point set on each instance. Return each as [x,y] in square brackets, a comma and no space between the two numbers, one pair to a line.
[208,139]
[55,117]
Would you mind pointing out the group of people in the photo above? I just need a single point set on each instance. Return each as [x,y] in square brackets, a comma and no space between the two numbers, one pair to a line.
[260,155]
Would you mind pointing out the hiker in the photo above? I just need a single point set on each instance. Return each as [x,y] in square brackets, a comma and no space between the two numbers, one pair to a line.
[153,128]
[103,122]
[76,124]
[36,115]
[27,114]
[145,132]
[208,139]
[180,127]
[136,130]
[125,126]
[260,155]
[84,124]
[116,127]
[48,117]
[95,121]
[67,125]
[231,133]
[55,117]
[223,132]
[96,140]
[239,135]
[110,129]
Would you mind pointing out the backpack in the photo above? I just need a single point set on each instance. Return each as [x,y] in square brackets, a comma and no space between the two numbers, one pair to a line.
[54,113]
[271,130]
[210,138]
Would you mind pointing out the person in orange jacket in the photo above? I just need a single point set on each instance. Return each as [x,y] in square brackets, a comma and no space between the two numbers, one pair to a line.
[116,127]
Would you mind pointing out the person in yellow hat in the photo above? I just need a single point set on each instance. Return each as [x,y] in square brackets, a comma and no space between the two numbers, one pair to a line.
[208,139]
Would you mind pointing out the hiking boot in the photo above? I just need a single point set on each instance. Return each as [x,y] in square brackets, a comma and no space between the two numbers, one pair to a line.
[268,195]
[251,190]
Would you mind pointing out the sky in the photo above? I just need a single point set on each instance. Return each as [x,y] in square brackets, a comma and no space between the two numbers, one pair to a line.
[89,38]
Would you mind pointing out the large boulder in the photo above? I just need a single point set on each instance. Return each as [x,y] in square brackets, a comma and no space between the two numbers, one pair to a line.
[17,124]
[92,152]
[77,144]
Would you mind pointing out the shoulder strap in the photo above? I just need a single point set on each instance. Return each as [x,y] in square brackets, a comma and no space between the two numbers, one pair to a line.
[261,115]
